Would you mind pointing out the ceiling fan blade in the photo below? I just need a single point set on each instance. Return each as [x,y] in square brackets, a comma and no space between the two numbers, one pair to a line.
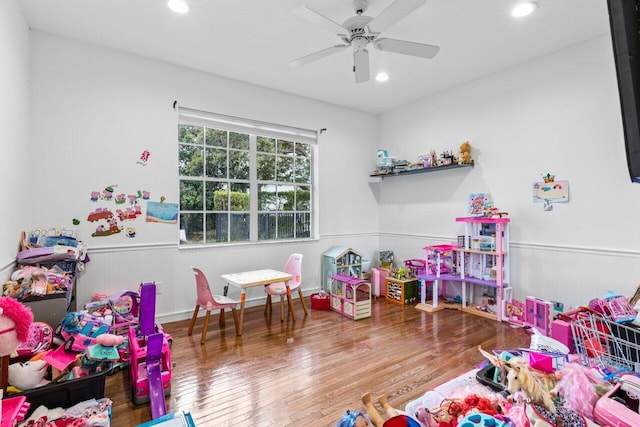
[317,55]
[406,48]
[393,13]
[361,65]
[320,20]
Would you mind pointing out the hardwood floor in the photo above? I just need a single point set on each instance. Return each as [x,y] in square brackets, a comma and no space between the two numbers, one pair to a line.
[264,379]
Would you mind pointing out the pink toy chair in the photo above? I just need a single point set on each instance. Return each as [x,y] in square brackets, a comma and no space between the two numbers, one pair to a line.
[293,267]
[210,302]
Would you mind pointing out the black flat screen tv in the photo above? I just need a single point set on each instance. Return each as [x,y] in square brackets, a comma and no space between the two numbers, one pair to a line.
[624,19]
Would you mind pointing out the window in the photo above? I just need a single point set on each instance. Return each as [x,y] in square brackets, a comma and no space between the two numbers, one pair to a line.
[243,181]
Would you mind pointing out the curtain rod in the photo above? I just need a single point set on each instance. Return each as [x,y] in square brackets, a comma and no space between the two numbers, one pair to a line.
[238,119]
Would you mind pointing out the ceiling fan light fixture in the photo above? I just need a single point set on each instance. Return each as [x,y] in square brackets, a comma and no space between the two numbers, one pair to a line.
[382,77]
[178,6]
[360,31]
[523,9]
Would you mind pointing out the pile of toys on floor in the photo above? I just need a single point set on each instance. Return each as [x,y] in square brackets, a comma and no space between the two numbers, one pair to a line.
[51,372]
[592,380]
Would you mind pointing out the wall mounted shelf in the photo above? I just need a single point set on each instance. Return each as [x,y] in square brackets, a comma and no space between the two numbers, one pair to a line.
[420,170]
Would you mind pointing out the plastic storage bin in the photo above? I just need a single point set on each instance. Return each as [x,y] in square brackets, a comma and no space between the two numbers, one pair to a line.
[67,393]
[320,302]
[487,376]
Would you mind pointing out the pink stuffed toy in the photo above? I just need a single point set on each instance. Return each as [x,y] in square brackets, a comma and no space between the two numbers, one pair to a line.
[15,320]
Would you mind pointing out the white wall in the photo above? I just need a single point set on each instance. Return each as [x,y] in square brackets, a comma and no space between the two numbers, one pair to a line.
[17,165]
[94,111]
[558,114]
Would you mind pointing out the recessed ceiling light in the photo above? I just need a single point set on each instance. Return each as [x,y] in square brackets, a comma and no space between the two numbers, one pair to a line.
[178,6]
[523,9]
[382,77]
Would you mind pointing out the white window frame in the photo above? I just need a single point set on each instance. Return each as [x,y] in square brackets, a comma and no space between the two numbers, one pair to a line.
[189,116]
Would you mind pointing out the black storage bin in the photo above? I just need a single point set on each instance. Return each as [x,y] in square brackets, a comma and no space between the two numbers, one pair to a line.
[67,393]
[485,376]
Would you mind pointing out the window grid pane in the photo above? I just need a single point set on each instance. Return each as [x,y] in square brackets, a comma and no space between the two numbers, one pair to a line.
[216,138]
[217,227]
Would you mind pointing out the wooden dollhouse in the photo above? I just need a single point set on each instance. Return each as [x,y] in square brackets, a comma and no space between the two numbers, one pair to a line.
[340,260]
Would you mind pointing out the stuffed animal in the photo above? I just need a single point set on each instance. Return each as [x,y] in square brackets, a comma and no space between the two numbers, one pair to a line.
[15,320]
[28,375]
[465,154]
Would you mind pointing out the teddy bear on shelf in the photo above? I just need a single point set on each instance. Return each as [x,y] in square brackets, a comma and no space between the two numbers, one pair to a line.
[465,154]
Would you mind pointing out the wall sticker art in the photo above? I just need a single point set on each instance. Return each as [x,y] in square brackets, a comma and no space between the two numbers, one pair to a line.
[114,210]
[144,158]
[162,212]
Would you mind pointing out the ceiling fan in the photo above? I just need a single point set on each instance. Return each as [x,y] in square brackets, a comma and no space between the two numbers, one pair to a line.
[360,30]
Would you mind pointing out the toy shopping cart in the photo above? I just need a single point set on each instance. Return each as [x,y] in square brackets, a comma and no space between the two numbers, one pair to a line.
[603,343]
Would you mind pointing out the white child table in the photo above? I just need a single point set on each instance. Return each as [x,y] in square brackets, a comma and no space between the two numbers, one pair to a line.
[248,279]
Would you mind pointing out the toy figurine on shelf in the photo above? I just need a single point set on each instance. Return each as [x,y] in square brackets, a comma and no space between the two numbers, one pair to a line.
[385,163]
[446,158]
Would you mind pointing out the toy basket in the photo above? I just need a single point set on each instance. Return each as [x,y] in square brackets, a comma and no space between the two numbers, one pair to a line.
[320,301]
[67,393]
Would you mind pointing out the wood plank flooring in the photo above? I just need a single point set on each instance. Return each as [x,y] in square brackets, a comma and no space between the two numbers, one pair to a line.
[264,379]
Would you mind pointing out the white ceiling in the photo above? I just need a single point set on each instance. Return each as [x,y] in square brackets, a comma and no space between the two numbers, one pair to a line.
[253,40]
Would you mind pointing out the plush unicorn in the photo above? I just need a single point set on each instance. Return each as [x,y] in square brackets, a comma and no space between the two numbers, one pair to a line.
[540,407]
